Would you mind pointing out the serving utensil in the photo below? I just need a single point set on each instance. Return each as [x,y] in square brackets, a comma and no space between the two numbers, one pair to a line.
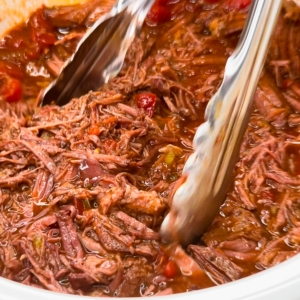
[209,169]
[100,54]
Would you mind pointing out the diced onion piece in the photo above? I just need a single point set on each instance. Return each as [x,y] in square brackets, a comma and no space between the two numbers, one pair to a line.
[169,158]
[37,242]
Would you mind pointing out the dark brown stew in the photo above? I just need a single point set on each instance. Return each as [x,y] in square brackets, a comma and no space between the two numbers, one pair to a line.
[85,187]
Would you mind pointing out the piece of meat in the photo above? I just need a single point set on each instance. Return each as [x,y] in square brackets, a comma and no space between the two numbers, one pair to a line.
[43,186]
[243,223]
[92,245]
[137,228]
[136,272]
[270,102]
[42,223]
[241,249]
[110,198]
[70,240]
[80,280]
[292,9]
[100,269]
[54,65]
[69,16]
[144,202]
[91,169]
[41,155]
[218,266]
[111,240]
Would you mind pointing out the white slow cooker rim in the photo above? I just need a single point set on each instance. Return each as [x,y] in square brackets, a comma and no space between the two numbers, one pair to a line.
[277,283]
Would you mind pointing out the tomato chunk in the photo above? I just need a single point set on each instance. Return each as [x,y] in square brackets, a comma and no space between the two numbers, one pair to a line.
[94,130]
[287,83]
[109,146]
[147,102]
[171,269]
[158,14]
[10,69]
[42,31]
[10,89]
[236,4]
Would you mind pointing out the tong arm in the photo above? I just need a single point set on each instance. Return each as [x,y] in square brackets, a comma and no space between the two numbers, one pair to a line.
[217,141]
[100,54]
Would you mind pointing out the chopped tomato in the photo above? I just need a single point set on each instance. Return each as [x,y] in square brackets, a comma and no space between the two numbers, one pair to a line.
[19,43]
[42,31]
[38,20]
[33,51]
[10,89]
[212,1]
[287,83]
[109,145]
[236,4]
[109,120]
[44,38]
[94,130]
[17,40]
[146,101]
[170,269]
[10,69]
[158,14]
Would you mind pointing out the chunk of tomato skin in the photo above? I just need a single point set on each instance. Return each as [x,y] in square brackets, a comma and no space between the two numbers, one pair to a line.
[41,30]
[146,101]
[170,269]
[287,83]
[39,21]
[94,130]
[11,89]
[158,14]
[43,38]
[46,38]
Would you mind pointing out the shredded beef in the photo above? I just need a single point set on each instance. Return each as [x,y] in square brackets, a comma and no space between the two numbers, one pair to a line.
[84,188]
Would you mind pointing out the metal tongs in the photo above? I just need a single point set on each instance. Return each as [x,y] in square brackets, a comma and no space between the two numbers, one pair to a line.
[217,142]
[100,54]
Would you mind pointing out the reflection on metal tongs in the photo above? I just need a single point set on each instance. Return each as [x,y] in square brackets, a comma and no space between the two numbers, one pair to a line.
[100,54]
[217,141]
